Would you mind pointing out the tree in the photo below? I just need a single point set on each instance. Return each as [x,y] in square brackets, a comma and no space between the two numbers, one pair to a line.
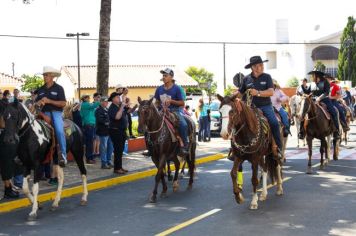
[202,76]
[320,66]
[292,82]
[102,78]
[31,83]
[347,54]
[229,90]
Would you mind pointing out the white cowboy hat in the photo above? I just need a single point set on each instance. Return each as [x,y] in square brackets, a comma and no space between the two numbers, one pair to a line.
[49,69]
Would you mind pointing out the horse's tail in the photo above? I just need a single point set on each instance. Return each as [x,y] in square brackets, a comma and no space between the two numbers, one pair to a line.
[272,168]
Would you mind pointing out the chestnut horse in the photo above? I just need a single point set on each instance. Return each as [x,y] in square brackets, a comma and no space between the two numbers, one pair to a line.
[252,141]
[317,126]
[163,147]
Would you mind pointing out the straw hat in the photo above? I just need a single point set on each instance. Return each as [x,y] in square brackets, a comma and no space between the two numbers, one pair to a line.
[51,70]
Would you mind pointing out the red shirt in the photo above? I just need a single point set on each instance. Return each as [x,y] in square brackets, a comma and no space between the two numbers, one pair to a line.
[335,89]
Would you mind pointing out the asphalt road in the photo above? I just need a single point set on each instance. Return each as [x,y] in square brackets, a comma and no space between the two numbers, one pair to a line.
[319,204]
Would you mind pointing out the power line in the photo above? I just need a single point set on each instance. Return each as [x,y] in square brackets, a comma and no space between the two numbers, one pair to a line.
[171,41]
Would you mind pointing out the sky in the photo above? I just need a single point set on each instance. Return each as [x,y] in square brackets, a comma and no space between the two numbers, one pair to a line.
[177,20]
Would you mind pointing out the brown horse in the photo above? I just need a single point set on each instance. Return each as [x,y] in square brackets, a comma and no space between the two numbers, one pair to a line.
[317,126]
[349,119]
[252,141]
[163,147]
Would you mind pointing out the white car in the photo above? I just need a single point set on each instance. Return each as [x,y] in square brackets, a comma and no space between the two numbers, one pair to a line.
[215,117]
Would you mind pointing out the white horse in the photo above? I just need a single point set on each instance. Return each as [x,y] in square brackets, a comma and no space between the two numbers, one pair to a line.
[294,103]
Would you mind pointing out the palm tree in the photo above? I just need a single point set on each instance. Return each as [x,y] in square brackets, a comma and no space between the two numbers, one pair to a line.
[102,78]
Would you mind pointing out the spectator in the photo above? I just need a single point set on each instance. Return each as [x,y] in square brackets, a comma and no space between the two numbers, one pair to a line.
[96,98]
[87,112]
[6,96]
[77,119]
[202,116]
[17,95]
[117,128]
[1,94]
[304,88]
[208,125]
[129,119]
[102,131]
[31,101]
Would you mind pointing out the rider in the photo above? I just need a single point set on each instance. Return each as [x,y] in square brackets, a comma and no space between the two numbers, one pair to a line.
[170,94]
[322,93]
[261,88]
[277,99]
[51,96]
[335,95]
[303,88]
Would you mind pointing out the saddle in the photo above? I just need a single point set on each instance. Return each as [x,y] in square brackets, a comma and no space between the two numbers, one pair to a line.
[172,121]
[67,125]
[324,109]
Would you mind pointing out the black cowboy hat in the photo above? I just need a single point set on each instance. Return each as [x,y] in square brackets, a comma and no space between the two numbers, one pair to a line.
[255,60]
[112,95]
[317,71]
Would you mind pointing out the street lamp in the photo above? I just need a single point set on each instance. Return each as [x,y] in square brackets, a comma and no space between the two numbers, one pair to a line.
[77,35]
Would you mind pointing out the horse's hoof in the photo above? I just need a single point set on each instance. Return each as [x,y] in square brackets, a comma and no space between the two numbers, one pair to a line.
[335,158]
[32,217]
[309,172]
[175,189]
[163,195]
[279,193]
[54,208]
[239,198]
[263,197]
[83,202]
[153,199]
[190,187]
[253,206]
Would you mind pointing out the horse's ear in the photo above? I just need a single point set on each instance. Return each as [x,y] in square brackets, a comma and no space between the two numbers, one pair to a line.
[220,97]
[139,100]
[150,101]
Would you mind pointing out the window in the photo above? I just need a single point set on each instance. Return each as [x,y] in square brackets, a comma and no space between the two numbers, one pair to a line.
[331,71]
[272,60]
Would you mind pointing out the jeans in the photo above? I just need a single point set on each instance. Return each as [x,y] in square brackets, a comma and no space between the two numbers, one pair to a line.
[18,180]
[105,149]
[332,111]
[89,135]
[118,138]
[341,109]
[183,126]
[203,128]
[57,121]
[268,112]
[284,117]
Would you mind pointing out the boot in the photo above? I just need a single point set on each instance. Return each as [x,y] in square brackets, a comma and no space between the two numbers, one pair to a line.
[345,127]
[62,162]
[279,156]
[183,151]
[10,193]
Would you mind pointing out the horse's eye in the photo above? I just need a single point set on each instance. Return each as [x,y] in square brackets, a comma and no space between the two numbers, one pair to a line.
[9,116]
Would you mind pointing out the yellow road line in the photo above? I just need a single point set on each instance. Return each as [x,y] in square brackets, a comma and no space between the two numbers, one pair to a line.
[68,192]
[271,185]
[188,222]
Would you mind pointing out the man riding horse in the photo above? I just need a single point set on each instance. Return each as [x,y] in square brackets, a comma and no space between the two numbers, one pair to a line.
[52,99]
[261,88]
[321,92]
[169,95]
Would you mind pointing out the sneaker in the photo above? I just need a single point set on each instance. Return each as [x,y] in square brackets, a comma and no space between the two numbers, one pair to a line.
[183,151]
[120,172]
[301,135]
[345,128]
[110,165]
[124,170]
[106,167]
[62,163]
[10,193]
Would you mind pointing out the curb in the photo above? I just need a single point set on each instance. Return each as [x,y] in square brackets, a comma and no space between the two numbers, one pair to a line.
[101,184]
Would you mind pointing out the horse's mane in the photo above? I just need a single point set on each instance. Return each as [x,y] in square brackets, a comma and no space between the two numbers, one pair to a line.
[249,117]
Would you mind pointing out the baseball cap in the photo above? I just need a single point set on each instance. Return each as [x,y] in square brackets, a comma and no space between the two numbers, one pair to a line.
[167,71]
[104,99]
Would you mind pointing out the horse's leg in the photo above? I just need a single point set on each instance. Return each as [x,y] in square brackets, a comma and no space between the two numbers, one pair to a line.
[264,193]
[55,203]
[169,172]
[236,189]
[164,187]
[284,148]
[35,189]
[25,186]
[78,153]
[176,172]
[322,148]
[254,180]
[297,124]
[279,191]
[191,165]
[310,152]
[336,145]
[181,174]
[328,148]
[160,168]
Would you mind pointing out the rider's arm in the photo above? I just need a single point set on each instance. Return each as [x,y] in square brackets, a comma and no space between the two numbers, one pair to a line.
[265,93]
[59,104]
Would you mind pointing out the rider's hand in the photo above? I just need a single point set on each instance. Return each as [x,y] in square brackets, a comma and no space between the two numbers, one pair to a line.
[167,102]
[45,100]
[318,100]
[253,92]
[40,103]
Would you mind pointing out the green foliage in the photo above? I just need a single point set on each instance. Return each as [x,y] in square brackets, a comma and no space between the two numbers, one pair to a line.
[31,83]
[292,82]
[201,75]
[134,129]
[229,90]
[320,66]
[347,53]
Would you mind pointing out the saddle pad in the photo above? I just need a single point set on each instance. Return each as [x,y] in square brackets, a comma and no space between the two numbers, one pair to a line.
[324,109]
[68,127]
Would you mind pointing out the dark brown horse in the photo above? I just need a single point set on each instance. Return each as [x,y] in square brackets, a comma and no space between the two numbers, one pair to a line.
[317,126]
[252,141]
[163,147]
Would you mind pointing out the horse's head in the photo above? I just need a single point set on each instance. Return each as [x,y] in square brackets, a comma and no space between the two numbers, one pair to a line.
[305,106]
[11,121]
[145,112]
[226,110]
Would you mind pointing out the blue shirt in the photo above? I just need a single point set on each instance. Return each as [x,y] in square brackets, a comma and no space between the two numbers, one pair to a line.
[204,110]
[262,83]
[173,93]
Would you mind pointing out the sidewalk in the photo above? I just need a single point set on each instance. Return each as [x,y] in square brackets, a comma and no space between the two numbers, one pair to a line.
[134,162]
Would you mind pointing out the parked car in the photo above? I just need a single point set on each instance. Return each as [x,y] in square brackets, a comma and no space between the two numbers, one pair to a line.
[215,116]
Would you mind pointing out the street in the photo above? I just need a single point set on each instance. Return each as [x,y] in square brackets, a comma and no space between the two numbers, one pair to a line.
[320,204]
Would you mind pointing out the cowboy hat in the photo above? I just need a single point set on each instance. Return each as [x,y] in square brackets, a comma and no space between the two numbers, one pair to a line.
[112,95]
[255,60]
[51,70]
[119,85]
[317,71]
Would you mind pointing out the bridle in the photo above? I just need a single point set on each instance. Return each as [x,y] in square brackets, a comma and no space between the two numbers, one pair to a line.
[147,107]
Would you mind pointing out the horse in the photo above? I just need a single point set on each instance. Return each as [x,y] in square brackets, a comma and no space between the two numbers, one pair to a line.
[252,141]
[349,119]
[317,126]
[294,104]
[36,144]
[163,147]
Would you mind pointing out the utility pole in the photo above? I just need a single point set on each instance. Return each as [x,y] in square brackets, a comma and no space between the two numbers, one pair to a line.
[13,69]
[224,66]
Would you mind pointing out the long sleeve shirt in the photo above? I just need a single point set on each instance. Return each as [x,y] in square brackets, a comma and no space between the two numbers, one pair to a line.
[278,98]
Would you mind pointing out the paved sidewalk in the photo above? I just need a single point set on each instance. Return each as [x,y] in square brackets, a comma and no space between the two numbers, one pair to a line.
[133,162]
